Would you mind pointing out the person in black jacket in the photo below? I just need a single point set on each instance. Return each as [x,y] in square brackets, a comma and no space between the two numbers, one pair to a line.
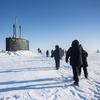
[56,55]
[47,53]
[74,53]
[85,64]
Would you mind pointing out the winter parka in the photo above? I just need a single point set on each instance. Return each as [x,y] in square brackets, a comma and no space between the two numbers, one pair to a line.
[56,54]
[74,53]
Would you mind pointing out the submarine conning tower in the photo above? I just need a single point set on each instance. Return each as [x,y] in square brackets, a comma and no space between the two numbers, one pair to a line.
[15,43]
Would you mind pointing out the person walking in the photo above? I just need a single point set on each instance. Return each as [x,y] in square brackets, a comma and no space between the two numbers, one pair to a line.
[85,64]
[56,55]
[47,53]
[74,53]
[52,52]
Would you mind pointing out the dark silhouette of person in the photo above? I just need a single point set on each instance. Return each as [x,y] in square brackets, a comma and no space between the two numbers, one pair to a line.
[39,50]
[47,53]
[74,53]
[51,52]
[61,53]
[56,55]
[85,64]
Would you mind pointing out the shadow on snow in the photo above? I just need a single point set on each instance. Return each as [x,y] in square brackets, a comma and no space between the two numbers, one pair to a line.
[37,84]
[28,69]
[31,69]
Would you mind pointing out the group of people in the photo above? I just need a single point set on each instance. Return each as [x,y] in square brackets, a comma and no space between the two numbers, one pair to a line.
[39,50]
[78,59]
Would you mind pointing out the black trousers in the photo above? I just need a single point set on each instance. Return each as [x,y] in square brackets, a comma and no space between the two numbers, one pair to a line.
[85,71]
[57,63]
[75,73]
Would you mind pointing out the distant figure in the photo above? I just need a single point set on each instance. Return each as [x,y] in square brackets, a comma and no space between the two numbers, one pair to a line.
[85,64]
[97,51]
[51,52]
[39,50]
[74,53]
[56,55]
[47,53]
[61,53]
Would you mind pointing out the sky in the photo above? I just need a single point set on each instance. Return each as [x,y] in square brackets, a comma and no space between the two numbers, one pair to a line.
[46,23]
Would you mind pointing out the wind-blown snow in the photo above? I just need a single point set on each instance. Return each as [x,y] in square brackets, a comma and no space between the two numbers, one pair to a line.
[25,75]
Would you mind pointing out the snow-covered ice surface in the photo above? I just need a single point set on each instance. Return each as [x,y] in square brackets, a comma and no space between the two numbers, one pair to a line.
[30,76]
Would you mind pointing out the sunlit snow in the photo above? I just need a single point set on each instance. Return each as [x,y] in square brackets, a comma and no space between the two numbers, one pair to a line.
[25,75]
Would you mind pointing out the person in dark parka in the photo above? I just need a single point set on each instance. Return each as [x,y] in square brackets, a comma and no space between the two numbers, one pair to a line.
[85,64]
[56,55]
[51,52]
[74,53]
[47,53]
